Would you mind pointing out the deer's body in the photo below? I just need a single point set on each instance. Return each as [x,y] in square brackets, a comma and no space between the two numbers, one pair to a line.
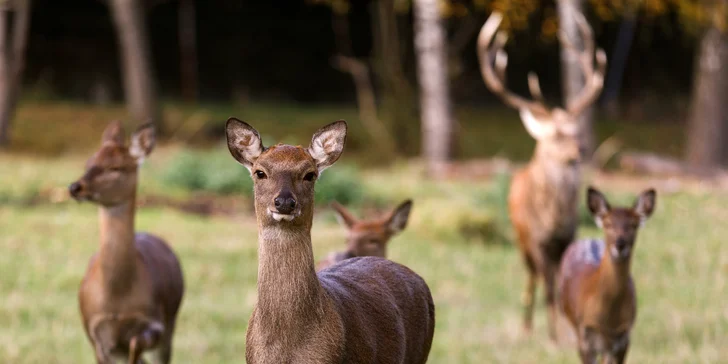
[362,310]
[133,287]
[367,237]
[596,289]
[543,197]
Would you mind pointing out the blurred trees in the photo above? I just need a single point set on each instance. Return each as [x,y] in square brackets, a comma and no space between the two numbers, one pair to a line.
[187,33]
[12,59]
[432,74]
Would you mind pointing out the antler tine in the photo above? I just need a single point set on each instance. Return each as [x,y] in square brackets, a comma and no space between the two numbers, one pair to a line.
[495,79]
[534,86]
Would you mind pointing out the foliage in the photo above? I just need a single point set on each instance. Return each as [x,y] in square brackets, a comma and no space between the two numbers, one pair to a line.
[342,183]
[212,171]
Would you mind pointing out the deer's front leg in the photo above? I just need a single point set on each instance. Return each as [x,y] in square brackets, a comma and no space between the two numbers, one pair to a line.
[147,339]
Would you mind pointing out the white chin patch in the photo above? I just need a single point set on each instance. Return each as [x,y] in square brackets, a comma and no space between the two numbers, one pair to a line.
[281,217]
[619,254]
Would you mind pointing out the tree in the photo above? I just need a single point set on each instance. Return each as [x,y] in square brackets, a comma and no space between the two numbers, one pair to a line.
[708,119]
[432,71]
[137,73]
[188,49]
[12,60]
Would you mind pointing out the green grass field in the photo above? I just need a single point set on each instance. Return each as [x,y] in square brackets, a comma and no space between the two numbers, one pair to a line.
[680,264]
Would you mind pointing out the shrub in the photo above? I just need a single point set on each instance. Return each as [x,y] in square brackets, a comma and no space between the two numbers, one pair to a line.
[211,171]
[341,183]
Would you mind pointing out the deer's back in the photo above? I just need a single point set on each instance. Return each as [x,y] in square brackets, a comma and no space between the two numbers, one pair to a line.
[386,308]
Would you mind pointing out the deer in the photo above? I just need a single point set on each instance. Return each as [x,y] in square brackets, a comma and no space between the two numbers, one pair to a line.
[543,196]
[133,287]
[595,285]
[361,310]
[367,237]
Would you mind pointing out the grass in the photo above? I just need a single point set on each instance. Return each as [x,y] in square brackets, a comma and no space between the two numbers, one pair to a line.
[680,268]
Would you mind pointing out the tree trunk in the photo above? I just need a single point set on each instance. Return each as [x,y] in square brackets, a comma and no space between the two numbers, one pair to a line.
[188,50]
[12,62]
[707,125]
[432,71]
[572,78]
[396,94]
[138,77]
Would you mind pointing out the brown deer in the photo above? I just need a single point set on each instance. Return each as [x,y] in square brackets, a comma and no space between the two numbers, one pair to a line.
[596,291]
[367,237]
[543,197]
[362,310]
[133,286]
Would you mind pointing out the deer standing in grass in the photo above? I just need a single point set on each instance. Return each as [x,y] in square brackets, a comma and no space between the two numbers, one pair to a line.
[367,237]
[362,310]
[596,290]
[543,197]
[133,287]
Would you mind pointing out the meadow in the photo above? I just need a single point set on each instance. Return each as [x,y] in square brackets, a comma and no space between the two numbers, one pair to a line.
[458,239]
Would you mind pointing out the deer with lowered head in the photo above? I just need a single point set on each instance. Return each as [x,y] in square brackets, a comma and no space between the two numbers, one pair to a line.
[543,197]
[362,310]
[367,237]
[133,287]
[596,290]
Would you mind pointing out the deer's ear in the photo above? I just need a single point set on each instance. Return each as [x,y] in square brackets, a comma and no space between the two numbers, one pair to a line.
[343,216]
[535,125]
[400,216]
[114,133]
[243,142]
[328,144]
[142,142]
[598,205]
[644,206]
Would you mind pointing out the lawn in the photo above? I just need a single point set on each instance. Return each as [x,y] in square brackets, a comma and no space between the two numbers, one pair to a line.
[457,239]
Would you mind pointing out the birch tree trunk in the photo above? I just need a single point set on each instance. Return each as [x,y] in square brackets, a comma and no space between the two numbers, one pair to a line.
[12,61]
[708,118]
[572,78]
[435,108]
[137,73]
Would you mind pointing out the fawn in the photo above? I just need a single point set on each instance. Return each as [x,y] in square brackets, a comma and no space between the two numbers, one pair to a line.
[362,310]
[543,197]
[367,237]
[596,291]
[133,287]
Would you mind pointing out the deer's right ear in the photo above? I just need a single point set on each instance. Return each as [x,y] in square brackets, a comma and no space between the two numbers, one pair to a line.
[328,144]
[343,216]
[243,142]
[598,205]
[400,216]
[537,128]
[114,133]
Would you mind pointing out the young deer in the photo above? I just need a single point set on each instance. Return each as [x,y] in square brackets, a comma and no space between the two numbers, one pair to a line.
[133,286]
[367,237]
[362,310]
[596,291]
[543,197]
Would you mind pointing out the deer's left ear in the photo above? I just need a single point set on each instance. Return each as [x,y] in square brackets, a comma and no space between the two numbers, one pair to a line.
[142,142]
[597,204]
[400,216]
[328,144]
[644,206]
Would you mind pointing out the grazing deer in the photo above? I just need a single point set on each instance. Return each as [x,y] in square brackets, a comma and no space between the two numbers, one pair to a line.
[543,197]
[362,310]
[596,291]
[133,286]
[367,237]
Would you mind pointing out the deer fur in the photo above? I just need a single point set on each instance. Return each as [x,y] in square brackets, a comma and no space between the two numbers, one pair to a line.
[133,287]
[596,290]
[543,197]
[362,310]
[367,237]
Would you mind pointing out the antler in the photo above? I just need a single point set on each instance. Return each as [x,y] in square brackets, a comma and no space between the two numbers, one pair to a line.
[496,79]
[593,79]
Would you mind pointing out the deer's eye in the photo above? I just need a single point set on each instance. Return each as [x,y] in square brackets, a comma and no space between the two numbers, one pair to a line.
[116,169]
[309,176]
[260,174]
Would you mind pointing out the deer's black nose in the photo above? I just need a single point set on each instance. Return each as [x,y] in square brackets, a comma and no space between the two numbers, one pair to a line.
[74,189]
[285,203]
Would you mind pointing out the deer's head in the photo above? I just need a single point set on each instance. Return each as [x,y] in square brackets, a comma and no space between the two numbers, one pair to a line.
[556,130]
[111,173]
[370,237]
[284,175]
[620,224]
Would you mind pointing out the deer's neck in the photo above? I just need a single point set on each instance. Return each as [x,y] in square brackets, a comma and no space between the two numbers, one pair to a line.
[118,253]
[614,277]
[554,174]
[290,296]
